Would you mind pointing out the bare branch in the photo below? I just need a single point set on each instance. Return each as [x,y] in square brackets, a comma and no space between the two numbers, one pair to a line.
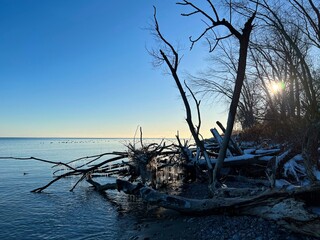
[40,160]
[214,10]
[214,22]
[198,38]
[176,57]
[197,105]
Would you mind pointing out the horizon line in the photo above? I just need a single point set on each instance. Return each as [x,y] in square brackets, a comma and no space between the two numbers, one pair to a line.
[89,137]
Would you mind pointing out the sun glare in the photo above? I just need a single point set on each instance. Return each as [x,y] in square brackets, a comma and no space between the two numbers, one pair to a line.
[276,87]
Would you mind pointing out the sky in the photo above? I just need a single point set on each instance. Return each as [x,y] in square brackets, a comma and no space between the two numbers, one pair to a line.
[80,68]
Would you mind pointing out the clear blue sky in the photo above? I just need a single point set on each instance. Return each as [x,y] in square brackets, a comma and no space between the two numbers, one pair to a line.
[80,68]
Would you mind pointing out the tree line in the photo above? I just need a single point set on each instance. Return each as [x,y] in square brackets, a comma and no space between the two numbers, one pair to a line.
[283,75]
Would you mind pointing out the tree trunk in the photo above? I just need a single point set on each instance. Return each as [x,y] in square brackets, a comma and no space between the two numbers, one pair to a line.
[244,43]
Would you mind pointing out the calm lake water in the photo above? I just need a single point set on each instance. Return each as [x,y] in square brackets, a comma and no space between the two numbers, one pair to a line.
[57,213]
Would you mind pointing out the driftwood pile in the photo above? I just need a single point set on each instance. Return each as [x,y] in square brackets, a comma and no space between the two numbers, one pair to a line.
[269,181]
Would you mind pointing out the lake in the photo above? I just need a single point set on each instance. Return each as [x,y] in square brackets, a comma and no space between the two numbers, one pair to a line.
[58,213]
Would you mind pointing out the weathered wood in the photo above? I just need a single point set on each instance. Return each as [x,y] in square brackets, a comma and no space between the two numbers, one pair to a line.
[277,205]
[234,144]
[249,181]
[104,187]
[242,160]
[219,140]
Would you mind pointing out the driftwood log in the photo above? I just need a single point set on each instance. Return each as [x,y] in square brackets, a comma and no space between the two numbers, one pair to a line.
[287,207]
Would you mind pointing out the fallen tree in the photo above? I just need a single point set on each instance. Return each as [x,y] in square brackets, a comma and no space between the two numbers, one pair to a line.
[286,207]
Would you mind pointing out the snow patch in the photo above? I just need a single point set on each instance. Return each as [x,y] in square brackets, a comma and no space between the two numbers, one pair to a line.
[281,183]
[268,151]
[249,150]
[282,156]
[294,167]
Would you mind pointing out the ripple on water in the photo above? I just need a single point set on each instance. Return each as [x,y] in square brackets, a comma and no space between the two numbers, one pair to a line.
[57,213]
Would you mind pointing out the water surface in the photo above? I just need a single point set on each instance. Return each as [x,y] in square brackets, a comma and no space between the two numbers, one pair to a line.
[57,213]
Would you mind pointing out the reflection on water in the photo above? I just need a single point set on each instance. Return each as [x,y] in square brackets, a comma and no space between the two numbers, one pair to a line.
[58,213]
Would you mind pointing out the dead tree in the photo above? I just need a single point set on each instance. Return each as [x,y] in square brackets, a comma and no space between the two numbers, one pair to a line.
[243,37]
[173,64]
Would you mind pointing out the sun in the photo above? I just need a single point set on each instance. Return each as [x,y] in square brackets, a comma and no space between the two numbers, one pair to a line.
[276,87]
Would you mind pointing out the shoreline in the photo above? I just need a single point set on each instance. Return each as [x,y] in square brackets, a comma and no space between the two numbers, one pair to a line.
[174,226]
[156,223]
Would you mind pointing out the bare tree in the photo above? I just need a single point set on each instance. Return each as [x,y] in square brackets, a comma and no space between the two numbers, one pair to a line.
[243,36]
[309,14]
[218,81]
[278,70]
[171,57]
[244,39]
[296,25]
[274,16]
